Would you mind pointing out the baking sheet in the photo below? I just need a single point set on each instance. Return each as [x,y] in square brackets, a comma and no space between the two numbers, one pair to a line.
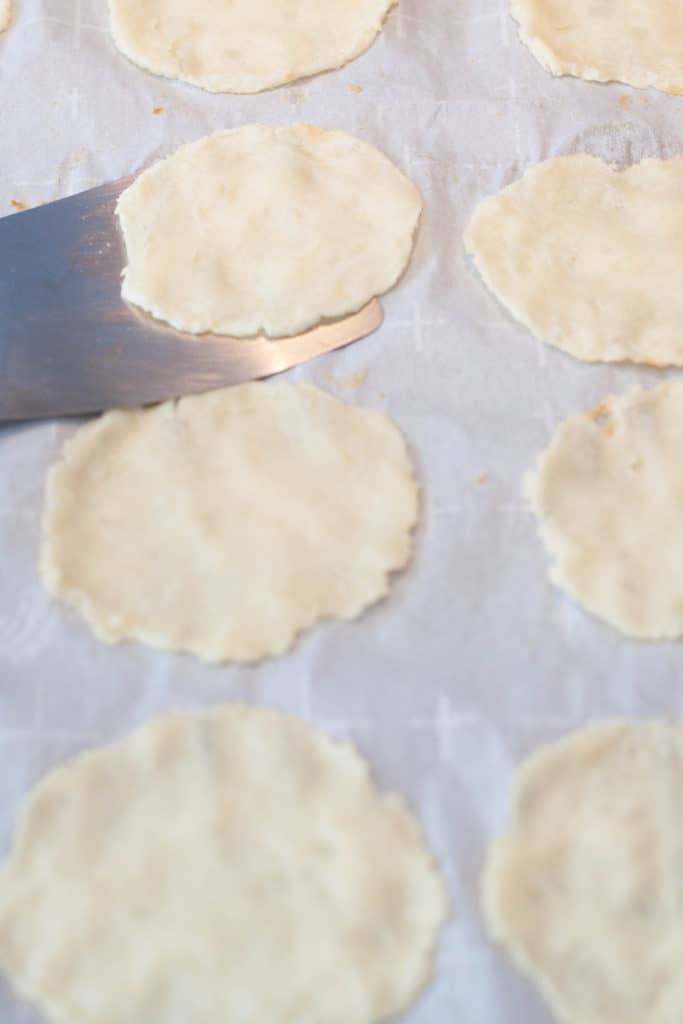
[475,659]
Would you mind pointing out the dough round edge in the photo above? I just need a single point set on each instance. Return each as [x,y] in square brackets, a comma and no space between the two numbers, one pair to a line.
[215,84]
[485,209]
[6,14]
[88,437]
[544,53]
[253,327]
[56,780]
[492,878]
[555,542]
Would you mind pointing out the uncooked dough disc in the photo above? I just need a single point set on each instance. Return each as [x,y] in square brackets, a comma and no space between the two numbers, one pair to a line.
[589,257]
[5,13]
[227,523]
[585,889]
[218,866]
[244,45]
[608,492]
[268,229]
[632,41]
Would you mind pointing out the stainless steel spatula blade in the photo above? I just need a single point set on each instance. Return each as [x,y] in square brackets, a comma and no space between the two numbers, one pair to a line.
[69,345]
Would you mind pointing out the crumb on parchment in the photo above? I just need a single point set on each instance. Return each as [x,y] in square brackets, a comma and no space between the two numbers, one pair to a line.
[355,380]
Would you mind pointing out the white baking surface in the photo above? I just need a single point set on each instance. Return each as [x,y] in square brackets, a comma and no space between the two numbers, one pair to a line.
[475,659]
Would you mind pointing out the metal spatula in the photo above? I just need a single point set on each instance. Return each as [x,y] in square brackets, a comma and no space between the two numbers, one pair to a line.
[69,344]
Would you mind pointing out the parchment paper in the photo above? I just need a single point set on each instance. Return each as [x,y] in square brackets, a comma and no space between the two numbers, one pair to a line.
[475,659]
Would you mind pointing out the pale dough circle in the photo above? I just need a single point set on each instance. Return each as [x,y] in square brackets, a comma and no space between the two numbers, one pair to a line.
[220,865]
[5,14]
[589,257]
[639,43]
[585,888]
[226,524]
[244,46]
[267,229]
[608,492]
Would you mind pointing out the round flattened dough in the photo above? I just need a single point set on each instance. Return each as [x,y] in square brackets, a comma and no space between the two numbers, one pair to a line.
[608,492]
[585,888]
[266,229]
[226,524]
[589,258]
[5,14]
[610,40]
[244,46]
[222,865]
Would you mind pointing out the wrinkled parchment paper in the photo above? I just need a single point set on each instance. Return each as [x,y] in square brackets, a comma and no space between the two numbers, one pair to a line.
[475,659]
